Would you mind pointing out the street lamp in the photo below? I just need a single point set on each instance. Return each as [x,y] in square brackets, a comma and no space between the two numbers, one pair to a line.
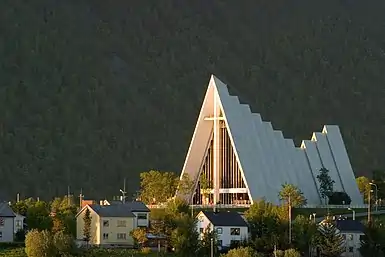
[372,184]
[354,213]
[369,207]
[212,247]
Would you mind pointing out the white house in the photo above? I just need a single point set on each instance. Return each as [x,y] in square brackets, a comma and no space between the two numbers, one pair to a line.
[139,209]
[231,227]
[19,222]
[352,231]
[6,223]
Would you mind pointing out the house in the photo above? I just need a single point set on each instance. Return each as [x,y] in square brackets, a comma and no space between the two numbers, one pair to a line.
[352,231]
[139,209]
[230,227]
[7,225]
[19,222]
[111,224]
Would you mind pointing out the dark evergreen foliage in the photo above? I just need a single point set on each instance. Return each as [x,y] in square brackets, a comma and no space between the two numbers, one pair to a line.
[95,91]
[339,198]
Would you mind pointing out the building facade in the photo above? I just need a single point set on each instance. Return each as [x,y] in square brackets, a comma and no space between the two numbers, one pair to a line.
[7,223]
[235,157]
[230,227]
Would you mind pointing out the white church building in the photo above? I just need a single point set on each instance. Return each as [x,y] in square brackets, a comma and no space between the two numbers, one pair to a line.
[235,157]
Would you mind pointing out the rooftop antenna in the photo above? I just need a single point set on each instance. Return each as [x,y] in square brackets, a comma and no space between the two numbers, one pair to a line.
[124,191]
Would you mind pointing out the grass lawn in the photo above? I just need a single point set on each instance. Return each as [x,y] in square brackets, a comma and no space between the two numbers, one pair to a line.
[19,252]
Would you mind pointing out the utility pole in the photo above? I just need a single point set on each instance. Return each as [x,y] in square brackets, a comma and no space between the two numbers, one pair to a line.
[289,219]
[81,198]
[124,191]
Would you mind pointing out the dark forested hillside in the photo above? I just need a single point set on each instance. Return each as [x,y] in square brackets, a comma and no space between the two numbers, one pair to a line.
[94,91]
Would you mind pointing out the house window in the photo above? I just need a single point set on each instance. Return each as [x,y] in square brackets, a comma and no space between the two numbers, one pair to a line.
[219,242]
[121,223]
[142,216]
[362,237]
[219,231]
[235,231]
[2,222]
[18,223]
[105,236]
[121,236]
[1,234]
[351,249]
[344,236]
[350,237]
[106,223]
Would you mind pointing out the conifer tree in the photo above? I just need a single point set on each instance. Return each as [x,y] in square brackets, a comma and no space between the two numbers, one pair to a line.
[331,242]
[87,225]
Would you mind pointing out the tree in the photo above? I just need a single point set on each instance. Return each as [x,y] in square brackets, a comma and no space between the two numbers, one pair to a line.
[292,193]
[304,233]
[331,242]
[266,227]
[64,213]
[87,225]
[184,237]
[185,185]
[209,237]
[205,187]
[139,235]
[326,183]
[340,198]
[38,216]
[21,207]
[242,252]
[57,224]
[291,253]
[372,243]
[39,243]
[64,243]
[177,205]
[363,186]
[157,187]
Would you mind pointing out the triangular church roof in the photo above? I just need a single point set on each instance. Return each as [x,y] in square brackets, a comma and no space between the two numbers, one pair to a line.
[267,159]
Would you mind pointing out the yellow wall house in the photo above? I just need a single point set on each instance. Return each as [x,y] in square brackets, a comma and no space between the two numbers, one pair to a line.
[110,225]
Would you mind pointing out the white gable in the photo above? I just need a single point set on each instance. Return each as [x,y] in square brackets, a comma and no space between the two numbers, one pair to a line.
[265,158]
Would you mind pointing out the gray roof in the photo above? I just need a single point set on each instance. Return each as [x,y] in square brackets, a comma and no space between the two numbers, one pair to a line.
[350,226]
[135,206]
[6,211]
[225,219]
[118,210]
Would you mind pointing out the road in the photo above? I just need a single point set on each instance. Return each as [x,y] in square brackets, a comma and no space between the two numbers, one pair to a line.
[350,215]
